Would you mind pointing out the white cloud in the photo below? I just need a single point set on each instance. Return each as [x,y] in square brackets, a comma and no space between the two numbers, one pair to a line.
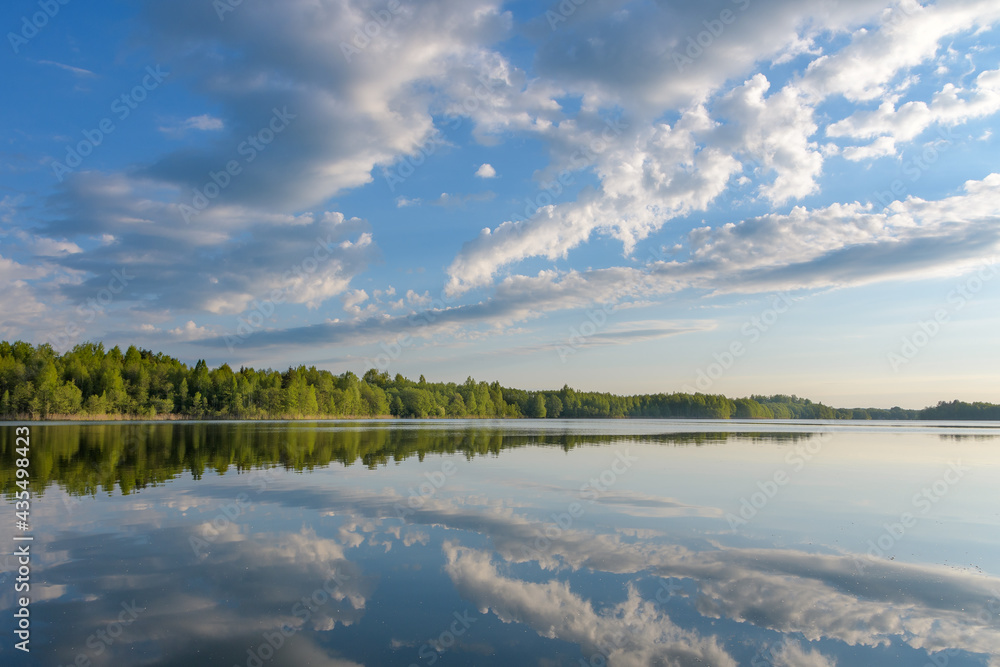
[353,299]
[657,172]
[775,133]
[20,308]
[352,111]
[630,62]
[881,147]
[79,71]
[202,122]
[949,107]
[652,175]
[838,246]
[217,263]
[190,331]
[418,300]
[660,144]
[843,244]
[908,34]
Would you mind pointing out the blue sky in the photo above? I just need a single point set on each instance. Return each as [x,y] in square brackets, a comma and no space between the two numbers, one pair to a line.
[758,196]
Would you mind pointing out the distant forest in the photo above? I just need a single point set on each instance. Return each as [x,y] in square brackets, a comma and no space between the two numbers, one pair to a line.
[91,382]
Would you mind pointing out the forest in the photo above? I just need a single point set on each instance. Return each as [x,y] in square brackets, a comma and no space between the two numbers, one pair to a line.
[89,382]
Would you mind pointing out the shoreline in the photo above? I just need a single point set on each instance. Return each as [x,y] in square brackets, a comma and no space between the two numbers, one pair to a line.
[177,418]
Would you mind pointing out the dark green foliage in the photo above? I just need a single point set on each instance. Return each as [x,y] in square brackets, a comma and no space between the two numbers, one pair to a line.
[86,459]
[962,410]
[37,383]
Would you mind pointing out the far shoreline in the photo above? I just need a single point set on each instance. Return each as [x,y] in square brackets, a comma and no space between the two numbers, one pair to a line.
[186,419]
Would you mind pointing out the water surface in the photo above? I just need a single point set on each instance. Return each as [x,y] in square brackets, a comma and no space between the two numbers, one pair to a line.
[509,543]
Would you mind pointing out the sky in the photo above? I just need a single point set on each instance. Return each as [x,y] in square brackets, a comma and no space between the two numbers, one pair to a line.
[729,196]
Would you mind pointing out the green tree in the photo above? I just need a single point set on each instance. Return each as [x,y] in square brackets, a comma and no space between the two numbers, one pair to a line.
[537,410]
[553,406]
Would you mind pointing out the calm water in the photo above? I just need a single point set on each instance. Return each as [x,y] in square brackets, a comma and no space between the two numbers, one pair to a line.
[508,543]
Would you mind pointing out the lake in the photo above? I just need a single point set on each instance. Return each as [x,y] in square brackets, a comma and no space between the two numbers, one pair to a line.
[522,542]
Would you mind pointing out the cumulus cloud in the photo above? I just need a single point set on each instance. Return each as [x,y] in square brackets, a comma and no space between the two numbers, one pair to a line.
[486,170]
[657,172]
[340,113]
[348,112]
[203,122]
[189,331]
[844,244]
[648,175]
[639,132]
[353,299]
[651,175]
[907,34]
[949,107]
[632,60]
[219,263]
[838,246]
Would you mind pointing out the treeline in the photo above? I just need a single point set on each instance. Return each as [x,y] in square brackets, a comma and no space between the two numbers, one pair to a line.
[89,381]
[960,410]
